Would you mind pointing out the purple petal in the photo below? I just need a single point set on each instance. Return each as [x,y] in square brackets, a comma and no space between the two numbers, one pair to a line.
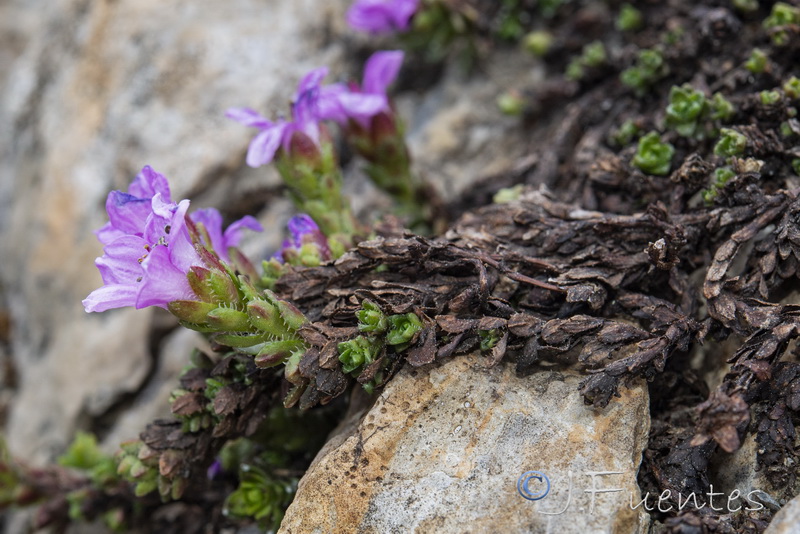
[361,106]
[265,144]
[300,225]
[248,117]
[110,296]
[149,182]
[381,70]
[182,252]
[107,233]
[329,106]
[381,16]
[403,11]
[211,219]
[127,213]
[162,282]
[120,263]
[233,233]
[311,81]
[159,223]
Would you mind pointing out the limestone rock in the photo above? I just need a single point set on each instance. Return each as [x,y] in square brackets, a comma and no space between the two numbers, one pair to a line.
[787,520]
[90,92]
[443,450]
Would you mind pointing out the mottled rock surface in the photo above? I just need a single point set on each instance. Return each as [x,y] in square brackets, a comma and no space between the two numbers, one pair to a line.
[787,521]
[91,92]
[443,448]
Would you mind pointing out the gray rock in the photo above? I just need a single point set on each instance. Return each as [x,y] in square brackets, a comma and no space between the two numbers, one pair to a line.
[443,448]
[89,93]
[787,520]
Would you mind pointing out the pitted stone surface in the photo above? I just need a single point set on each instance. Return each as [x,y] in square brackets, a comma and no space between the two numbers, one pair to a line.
[442,451]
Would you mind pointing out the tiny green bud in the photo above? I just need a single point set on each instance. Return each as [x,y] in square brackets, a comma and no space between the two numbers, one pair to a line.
[629,19]
[782,14]
[191,311]
[574,70]
[626,133]
[757,62]
[721,108]
[538,43]
[786,129]
[271,271]
[222,287]
[229,319]
[125,465]
[277,352]
[358,352]
[648,69]
[731,143]
[508,194]
[265,317]
[292,369]
[723,175]
[685,107]
[594,54]
[371,318]
[653,156]
[769,98]
[796,166]
[138,469]
[511,103]
[290,315]
[144,487]
[792,87]
[240,341]
[746,5]
[489,338]
[402,329]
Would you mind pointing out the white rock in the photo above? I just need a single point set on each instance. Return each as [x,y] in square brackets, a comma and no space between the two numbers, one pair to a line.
[443,450]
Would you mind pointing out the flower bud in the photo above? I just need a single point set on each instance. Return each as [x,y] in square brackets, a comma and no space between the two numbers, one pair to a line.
[403,329]
[191,311]
[229,319]
[371,318]
[265,317]
[276,352]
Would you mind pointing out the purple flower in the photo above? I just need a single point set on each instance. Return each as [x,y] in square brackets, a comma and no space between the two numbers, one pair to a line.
[215,469]
[362,103]
[148,250]
[381,16]
[275,135]
[211,220]
[304,231]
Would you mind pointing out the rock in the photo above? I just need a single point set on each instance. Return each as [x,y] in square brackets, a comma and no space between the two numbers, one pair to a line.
[90,92]
[457,134]
[787,520]
[443,449]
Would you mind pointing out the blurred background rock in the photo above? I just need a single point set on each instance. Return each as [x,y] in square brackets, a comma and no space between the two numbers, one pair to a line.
[93,90]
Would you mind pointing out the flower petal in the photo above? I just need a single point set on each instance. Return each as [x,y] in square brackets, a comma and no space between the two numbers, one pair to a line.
[248,117]
[361,106]
[381,70]
[211,219]
[233,233]
[265,144]
[120,262]
[108,297]
[127,213]
[149,182]
[162,282]
[311,81]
